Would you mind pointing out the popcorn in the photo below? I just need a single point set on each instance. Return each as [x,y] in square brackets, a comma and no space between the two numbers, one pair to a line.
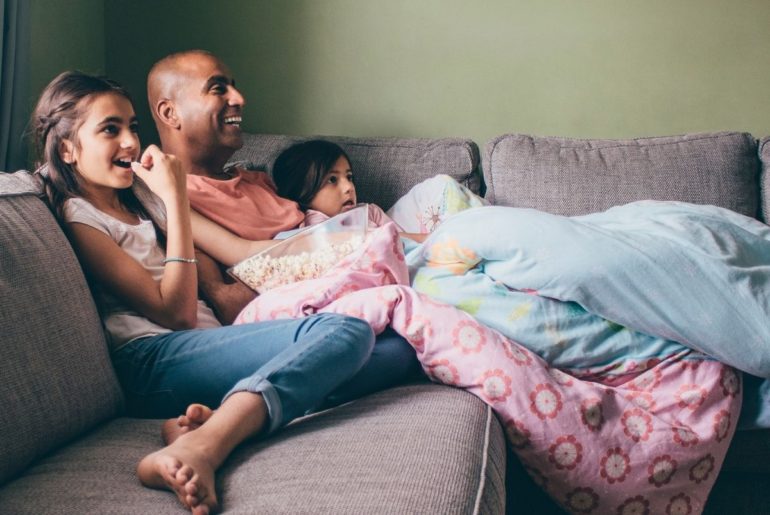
[307,254]
[263,272]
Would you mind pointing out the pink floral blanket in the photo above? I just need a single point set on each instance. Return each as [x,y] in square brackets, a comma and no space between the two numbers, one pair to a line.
[653,444]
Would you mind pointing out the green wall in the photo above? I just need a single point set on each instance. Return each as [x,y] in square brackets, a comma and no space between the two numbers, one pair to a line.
[429,68]
[65,35]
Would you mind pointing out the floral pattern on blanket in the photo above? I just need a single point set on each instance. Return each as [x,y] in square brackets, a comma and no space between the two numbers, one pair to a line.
[429,203]
[653,444]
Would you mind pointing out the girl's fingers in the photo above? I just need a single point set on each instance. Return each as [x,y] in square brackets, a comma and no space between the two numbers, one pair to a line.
[139,168]
[146,160]
[150,155]
[158,168]
[160,171]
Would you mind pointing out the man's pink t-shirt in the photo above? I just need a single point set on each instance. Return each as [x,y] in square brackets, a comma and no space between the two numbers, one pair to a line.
[247,204]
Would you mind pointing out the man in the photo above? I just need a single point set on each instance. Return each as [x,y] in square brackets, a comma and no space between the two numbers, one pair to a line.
[198,112]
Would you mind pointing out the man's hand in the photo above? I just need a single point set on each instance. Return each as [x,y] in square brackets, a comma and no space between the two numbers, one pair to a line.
[226,297]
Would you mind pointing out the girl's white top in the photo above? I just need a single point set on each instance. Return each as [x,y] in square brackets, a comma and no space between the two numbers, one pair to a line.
[138,241]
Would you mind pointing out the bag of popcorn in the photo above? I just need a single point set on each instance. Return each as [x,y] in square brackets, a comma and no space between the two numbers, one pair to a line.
[305,255]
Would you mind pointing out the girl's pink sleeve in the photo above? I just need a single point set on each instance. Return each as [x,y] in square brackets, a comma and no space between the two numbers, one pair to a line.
[378,218]
[313,217]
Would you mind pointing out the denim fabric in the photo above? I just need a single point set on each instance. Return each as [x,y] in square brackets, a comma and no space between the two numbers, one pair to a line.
[393,362]
[755,411]
[295,364]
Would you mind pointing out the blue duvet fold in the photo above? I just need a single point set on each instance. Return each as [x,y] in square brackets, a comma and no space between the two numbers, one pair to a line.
[609,293]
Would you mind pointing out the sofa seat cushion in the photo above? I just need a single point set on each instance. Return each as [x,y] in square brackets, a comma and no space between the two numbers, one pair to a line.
[579,176]
[385,168]
[420,448]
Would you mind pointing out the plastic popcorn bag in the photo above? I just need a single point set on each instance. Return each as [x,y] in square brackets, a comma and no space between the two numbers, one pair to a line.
[305,255]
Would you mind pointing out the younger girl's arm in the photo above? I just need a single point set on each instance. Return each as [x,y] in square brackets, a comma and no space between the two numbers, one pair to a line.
[418,237]
[172,302]
[380,218]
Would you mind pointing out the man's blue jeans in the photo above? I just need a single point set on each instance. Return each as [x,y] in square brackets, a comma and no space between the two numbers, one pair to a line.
[393,362]
[294,364]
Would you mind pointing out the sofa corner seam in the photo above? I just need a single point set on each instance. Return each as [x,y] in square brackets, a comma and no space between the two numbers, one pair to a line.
[484,464]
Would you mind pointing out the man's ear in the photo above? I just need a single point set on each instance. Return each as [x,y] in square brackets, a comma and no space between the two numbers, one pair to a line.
[166,112]
[67,151]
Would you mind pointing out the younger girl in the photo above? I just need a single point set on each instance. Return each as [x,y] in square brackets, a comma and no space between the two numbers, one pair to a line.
[316,175]
[167,347]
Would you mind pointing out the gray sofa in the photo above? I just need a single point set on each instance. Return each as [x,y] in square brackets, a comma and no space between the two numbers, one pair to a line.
[67,446]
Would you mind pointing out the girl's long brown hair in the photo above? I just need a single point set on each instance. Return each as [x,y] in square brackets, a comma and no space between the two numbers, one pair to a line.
[58,115]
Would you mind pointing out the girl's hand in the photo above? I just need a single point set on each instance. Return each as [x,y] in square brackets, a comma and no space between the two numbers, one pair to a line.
[162,172]
[418,237]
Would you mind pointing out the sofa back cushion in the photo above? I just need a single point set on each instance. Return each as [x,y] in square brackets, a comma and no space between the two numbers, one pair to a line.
[764,154]
[384,168]
[573,176]
[57,379]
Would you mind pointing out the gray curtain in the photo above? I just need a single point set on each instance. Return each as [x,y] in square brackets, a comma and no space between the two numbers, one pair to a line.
[14,83]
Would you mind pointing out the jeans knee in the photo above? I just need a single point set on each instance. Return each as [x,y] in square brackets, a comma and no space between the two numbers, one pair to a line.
[353,335]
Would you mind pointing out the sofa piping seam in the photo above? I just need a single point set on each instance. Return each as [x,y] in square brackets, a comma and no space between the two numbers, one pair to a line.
[10,194]
[494,143]
[484,464]
[625,143]
[764,169]
[383,141]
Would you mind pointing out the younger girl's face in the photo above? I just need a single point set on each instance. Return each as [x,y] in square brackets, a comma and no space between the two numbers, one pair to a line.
[337,193]
[106,143]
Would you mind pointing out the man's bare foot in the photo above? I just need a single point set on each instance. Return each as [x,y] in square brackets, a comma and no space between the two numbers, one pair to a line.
[194,417]
[183,468]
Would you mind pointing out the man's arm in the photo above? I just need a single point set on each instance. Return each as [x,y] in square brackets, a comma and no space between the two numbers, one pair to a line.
[221,244]
[226,297]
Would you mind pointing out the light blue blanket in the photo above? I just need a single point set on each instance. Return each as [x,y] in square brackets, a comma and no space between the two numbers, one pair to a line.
[607,292]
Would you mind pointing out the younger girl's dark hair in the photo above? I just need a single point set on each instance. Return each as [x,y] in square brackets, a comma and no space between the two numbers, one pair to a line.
[299,171]
[59,113]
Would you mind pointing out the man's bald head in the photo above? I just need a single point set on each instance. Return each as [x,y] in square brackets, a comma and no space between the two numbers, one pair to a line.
[168,75]
[196,108]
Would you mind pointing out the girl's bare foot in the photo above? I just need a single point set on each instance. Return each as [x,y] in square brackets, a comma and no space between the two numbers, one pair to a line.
[184,468]
[187,466]
[194,417]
